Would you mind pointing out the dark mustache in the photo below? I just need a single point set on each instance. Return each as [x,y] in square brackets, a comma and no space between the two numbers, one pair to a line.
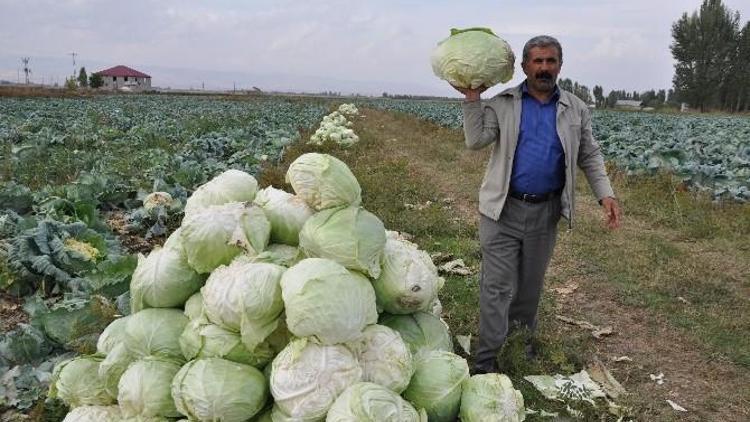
[544,75]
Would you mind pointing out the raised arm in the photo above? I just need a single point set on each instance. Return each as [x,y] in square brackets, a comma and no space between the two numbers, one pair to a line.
[480,123]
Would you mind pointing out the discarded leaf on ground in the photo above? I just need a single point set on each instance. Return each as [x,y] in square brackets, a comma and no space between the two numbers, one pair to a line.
[456,267]
[676,406]
[465,343]
[601,375]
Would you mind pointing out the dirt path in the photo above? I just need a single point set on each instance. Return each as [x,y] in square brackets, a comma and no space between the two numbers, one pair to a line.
[710,387]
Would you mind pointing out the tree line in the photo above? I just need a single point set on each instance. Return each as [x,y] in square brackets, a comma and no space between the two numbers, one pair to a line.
[712,70]
[712,51]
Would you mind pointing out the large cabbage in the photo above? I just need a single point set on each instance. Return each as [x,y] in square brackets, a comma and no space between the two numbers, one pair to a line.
[492,398]
[194,306]
[113,366]
[279,254]
[215,235]
[230,186]
[351,236]
[287,214]
[473,57]
[409,281]
[437,384]
[155,331]
[368,402]
[93,414]
[323,181]
[327,301]
[384,357]
[306,378]
[422,331]
[245,297]
[162,280]
[145,388]
[77,383]
[219,390]
[113,335]
[201,339]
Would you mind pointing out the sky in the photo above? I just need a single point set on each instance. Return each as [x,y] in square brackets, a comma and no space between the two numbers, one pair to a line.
[367,46]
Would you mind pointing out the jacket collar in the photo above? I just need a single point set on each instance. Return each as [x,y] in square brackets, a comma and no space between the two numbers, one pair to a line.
[517,92]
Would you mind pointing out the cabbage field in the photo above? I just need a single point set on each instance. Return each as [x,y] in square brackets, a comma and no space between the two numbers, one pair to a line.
[710,153]
[89,183]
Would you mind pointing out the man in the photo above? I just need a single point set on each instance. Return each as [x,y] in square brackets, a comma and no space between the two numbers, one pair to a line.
[539,135]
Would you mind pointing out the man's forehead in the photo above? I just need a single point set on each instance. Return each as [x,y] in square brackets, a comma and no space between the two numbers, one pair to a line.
[543,52]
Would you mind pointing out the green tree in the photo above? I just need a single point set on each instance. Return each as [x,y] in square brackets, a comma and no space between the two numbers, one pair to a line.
[599,95]
[83,79]
[96,81]
[704,45]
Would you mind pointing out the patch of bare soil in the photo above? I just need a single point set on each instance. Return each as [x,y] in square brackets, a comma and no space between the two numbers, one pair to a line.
[709,387]
[135,243]
[11,312]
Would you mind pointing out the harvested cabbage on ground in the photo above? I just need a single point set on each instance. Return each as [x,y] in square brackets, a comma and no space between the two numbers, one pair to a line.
[474,57]
[278,332]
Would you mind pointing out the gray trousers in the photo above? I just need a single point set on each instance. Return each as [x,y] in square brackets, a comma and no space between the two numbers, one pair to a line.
[516,250]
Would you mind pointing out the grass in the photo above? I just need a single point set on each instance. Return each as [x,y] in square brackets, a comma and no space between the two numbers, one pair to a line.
[401,160]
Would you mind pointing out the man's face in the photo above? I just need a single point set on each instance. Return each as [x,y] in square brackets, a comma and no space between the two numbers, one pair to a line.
[542,68]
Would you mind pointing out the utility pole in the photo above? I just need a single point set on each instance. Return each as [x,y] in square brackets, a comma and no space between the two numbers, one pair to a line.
[26,69]
[74,54]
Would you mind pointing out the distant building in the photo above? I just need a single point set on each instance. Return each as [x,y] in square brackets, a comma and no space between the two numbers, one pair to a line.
[124,78]
[628,104]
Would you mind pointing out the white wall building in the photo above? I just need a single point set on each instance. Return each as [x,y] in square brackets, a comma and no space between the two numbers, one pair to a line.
[123,77]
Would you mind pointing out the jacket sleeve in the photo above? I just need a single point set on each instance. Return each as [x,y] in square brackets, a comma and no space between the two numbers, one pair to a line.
[591,161]
[480,125]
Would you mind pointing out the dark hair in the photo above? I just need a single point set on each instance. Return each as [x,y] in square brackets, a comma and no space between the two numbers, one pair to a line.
[542,41]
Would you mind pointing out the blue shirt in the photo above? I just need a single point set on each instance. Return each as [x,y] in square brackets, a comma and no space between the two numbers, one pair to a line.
[539,162]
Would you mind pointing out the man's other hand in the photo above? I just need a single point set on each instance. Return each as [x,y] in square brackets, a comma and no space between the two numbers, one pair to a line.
[471,94]
[611,212]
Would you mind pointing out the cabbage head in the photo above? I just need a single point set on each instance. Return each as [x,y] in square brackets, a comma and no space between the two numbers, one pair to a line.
[437,384]
[323,181]
[491,397]
[217,234]
[287,214]
[155,332]
[384,357]
[245,297]
[351,236]
[145,388]
[194,306]
[163,280]
[409,281]
[201,339]
[422,331]
[113,366]
[230,186]
[473,57]
[215,389]
[306,378]
[77,383]
[327,301]
[113,335]
[368,402]
[279,254]
[93,414]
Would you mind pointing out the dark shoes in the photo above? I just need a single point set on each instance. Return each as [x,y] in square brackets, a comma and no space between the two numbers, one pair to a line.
[485,369]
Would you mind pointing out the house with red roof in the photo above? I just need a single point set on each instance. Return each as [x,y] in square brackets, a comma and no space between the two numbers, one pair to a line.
[123,77]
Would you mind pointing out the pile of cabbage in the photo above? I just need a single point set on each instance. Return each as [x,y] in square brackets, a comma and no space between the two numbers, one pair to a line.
[335,127]
[473,57]
[271,306]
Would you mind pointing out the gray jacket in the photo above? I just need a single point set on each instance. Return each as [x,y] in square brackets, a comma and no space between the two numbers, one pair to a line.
[497,122]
